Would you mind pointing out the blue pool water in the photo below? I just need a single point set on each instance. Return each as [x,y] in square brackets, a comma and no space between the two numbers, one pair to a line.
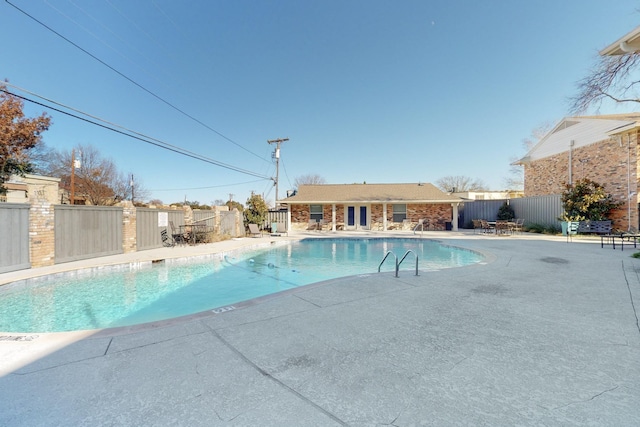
[101,299]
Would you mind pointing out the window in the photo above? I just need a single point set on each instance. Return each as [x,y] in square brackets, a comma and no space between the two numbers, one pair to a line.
[315,212]
[399,213]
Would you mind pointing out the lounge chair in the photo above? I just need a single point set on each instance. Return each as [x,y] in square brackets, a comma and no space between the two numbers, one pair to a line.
[254,230]
[313,225]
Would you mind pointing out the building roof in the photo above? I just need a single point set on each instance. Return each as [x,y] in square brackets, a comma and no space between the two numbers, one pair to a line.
[370,193]
[626,44]
[582,131]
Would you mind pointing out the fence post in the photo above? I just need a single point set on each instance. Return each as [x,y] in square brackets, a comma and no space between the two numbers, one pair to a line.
[129,227]
[42,245]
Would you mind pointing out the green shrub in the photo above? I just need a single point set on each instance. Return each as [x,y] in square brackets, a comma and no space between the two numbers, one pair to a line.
[505,212]
[586,200]
[542,228]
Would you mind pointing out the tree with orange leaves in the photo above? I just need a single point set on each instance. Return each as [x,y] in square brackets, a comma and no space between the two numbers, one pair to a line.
[18,134]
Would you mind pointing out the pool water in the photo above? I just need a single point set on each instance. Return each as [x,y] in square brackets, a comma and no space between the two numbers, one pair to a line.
[100,299]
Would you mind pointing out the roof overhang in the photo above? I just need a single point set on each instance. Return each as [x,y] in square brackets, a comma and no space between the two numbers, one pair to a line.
[629,43]
[622,129]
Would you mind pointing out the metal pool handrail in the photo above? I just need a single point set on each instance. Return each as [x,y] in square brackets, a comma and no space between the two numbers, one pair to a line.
[400,262]
[384,259]
[405,255]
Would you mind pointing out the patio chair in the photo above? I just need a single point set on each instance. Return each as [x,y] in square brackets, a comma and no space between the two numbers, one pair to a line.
[313,225]
[477,225]
[167,241]
[518,226]
[254,230]
[502,226]
[177,236]
[486,227]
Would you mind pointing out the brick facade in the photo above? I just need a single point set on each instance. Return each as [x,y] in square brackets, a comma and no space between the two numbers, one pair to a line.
[613,163]
[435,215]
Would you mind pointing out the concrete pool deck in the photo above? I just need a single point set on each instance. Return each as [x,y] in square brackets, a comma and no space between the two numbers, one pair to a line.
[544,332]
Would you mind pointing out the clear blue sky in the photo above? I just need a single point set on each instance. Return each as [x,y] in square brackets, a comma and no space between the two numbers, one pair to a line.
[367,91]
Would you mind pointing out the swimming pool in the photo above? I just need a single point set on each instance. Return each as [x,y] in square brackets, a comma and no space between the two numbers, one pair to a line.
[129,296]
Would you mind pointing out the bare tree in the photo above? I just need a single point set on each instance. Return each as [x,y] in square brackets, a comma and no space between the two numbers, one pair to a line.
[309,179]
[95,178]
[610,79]
[451,184]
[515,180]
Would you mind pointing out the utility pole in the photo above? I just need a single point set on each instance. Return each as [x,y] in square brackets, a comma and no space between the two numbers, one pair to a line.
[73,177]
[276,155]
[132,189]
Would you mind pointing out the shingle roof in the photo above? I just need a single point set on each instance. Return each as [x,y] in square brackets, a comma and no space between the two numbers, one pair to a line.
[370,193]
[582,131]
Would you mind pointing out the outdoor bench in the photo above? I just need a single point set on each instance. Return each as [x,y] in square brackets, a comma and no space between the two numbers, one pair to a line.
[598,227]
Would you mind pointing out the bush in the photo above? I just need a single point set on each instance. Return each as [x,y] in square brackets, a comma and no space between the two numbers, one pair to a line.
[586,201]
[505,212]
[256,211]
[542,228]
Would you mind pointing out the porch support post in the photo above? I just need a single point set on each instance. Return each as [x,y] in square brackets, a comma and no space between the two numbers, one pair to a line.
[333,217]
[289,217]
[384,217]
[454,220]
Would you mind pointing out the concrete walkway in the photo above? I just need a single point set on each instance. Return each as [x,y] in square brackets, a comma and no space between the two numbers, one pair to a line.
[544,333]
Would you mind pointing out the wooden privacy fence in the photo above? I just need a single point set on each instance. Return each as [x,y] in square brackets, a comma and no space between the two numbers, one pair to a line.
[149,226]
[543,210]
[83,232]
[14,237]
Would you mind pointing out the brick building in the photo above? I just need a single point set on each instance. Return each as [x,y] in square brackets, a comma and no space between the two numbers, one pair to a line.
[603,149]
[371,207]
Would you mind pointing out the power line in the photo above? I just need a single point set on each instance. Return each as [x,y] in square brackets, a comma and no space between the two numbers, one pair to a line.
[208,187]
[158,97]
[134,135]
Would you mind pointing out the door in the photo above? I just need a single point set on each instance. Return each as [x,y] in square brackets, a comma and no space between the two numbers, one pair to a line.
[351,216]
[363,217]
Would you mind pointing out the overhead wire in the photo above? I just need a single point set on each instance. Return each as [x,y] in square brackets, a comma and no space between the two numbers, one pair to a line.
[158,97]
[128,132]
[208,187]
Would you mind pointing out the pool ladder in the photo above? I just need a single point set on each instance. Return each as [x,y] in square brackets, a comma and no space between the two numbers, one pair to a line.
[398,262]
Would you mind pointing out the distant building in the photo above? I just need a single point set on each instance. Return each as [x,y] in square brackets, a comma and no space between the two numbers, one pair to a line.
[20,189]
[489,195]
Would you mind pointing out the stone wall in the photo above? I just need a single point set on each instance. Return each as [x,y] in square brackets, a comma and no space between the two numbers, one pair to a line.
[613,163]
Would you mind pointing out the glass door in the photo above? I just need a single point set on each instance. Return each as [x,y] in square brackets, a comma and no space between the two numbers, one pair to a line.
[351,216]
[363,217]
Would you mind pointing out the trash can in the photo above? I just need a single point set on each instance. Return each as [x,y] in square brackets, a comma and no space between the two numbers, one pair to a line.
[447,226]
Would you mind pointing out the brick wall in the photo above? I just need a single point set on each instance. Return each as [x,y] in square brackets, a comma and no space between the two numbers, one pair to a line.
[129,236]
[437,214]
[41,233]
[604,162]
